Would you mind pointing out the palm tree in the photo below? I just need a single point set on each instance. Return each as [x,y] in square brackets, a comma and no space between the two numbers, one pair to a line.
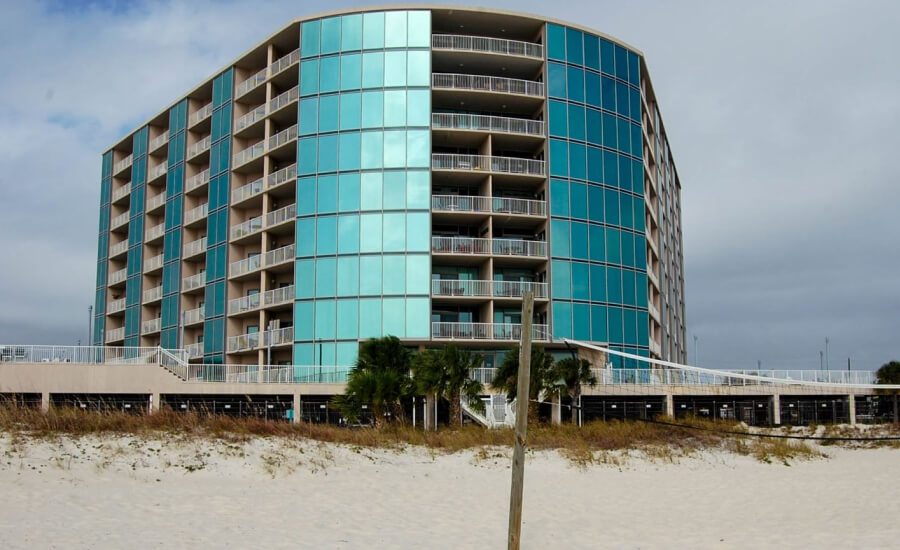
[571,374]
[507,376]
[380,379]
[889,373]
[446,373]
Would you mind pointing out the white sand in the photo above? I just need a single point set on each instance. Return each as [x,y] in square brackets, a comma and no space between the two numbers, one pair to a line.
[124,493]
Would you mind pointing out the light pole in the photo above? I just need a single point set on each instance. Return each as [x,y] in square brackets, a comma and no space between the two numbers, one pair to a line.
[696,356]
[821,360]
[827,366]
[90,324]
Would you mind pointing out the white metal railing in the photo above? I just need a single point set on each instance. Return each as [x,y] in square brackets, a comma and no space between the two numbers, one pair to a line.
[158,170]
[156,201]
[279,255]
[506,165]
[199,147]
[153,294]
[657,376]
[194,281]
[281,215]
[115,334]
[258,149]
[118,248]
[248,190]
[247,265]
[515,289]
[194,350]
[17,353]
[255,187]
[159,141]
[196,213]
[194,247]
[115,306]
[151,326]
[200,114]
[500,289]
[270,71]
[269,259]
[262,111]
[196,180]
[487,123]
[247,228]
[155,262]
[123,164]
[243,342]
[262,374]
[121,192]
[500,205]
[119,220]
[479,83]
[278,296]
[259,223]
[155,232]
[117,277]
[278,336]
[487,45]
[481,246]
[244,304]
[525,207]
[194,316]
[485,331]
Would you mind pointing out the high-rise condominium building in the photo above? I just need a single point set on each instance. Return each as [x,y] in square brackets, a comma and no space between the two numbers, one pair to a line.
[398,171]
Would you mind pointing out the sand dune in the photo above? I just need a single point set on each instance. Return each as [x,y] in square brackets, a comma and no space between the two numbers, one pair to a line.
[267,493]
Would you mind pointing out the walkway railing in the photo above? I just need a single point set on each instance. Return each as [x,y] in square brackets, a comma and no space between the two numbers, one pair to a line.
[481,246]
[478,83]
[485,163]
[484,331]
[499,205]
[14,353]
[500,289]
[484,44]
[487,123]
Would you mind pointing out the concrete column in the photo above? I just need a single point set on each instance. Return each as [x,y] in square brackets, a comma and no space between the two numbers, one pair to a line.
[298,407]
[896,410]
[45,401]
[776,409]
[155,403]
[556,416]
[670,405]
[430,420]
[851,404]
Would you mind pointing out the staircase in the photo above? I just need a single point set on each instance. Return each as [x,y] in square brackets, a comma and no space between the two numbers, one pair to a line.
[175,364]
[497,412]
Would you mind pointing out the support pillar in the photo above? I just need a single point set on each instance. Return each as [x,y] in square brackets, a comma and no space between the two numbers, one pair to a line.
[557,410]
[776,410]
[896,410]
[155,403]
[298,407]
[851,404]
[670,405]
[430,420]
[45,401]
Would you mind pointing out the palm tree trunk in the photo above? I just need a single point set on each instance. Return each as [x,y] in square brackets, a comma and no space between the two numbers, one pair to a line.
[378,417]
[575,395]
[430,414]
[455,409]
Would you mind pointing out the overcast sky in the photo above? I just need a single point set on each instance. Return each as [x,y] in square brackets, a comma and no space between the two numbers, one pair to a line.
[783,118]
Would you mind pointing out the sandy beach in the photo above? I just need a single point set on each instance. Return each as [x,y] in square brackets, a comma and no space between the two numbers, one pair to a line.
[275,493]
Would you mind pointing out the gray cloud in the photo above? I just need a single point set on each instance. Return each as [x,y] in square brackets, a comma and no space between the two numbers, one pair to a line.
[782,117]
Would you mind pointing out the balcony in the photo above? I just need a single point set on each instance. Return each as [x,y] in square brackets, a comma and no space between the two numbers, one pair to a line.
[193,316]
[200,115]
[159,141]
[119,221]
[498,205]
[489,84]
[485,163]
[243,342]
[200,147]
[271,181]
[482,44]
[485,331]
[117,277]
[155,232]
[488,247]
[275,297]
[118,249]
[153,294]
[153,264]
[487,289]
[194,248]
[259,149]
[151,326]
[277,67]
[196,181]
[261,112]
[278,337]
[115,334]
[485,123]
[122,165]
[121,193]
[196,214]
[156,202]
[194,350]
[193,282]
[272,258]
[115,306]
[157,171]
[270,220]
[654,312]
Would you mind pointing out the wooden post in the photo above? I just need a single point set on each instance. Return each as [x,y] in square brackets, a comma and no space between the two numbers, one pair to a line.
[522,404]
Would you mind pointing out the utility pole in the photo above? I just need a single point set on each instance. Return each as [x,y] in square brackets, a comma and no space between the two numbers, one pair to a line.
[827,366]
[90,324]
[696,356]
[821,360]
[518,465]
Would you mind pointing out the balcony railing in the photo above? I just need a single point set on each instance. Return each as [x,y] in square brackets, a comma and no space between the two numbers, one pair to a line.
[157,171]
[500,205]
[123,164]
[258,149]
[487,289]
[194,316]
[244,304]
[155,232]
[159,141]
[278,336]
[151,326]
[484,44]
[270,71]
[246,228]
[153,294]
[256,187]
[486,123]
[115,334]
[272,297]
[479,83]
[118,248]
[119,220]
[119,276]
[201,114]
[197,213]
[262,111]
[199,147]
[115,306]
[259,223]
[194,350]
[269,259]
[194,247]
[121,192]
[196,180]
[485,331]
[194,281]
[243,342]
[485,163]
[156,201]
[156,262]
[496,247]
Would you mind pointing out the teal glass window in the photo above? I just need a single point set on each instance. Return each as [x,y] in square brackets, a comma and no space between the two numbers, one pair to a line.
[627,248]
[418,148]
[348,275]
[597,243]
[558,118]
[418,274]
[394,232]
[306,156]
[598,324]
[328,151]
[614,284]
[325,277]
[393,319]
[309,77]
[373,30]
[325,319]
[574,47]
[372,151]
[607,57]
[309,116]
[592,89]
[581,321]
[591,52]
[628,292]
[394,68]
[594,126]
[418,232]
[418,314]
[326,235]
[350,111]
[640,287]
[348,234]
[304,278]
[373,70]
[306,233]
[559,198]
[638,207]
[613,246]
[418,108]
[370,282]
[578,192]
[556,42]
[394,274]
[562,319]
[327,194]
[561,279]
[329,74]
[394,190]
[634,69]
[309,38]
[624,131]
[351,71]
[608,93]
[594,164]
[306,196]
[328,113]
[370,317]
[577,162]
[348,155]
[559,238]
[579,240]
[347,315]
[395,108]
[598,283]
[576,122]
[395,148]
[331,35]
[623,99]
[418,190]
[610,168]
[575,84]
[351,32]
[395,29]
[556,76]
[621,62]
[348,192]
[629,326]
[372,109]
[418,68]
[626,210]
[370,233]
[419,25]
[371,191]
[559,158]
